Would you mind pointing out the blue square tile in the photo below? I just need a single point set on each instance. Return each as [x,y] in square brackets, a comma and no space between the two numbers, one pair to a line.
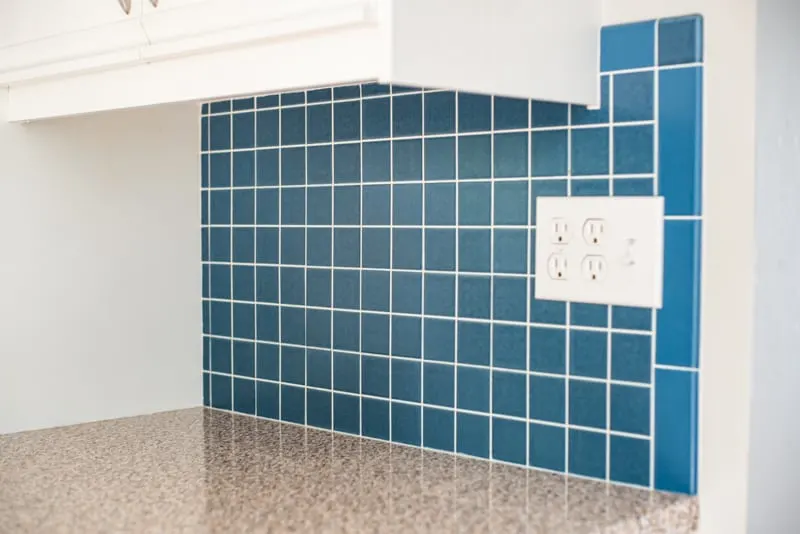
[293,365]
[631,357]
[407,204]
[376,115]
[206,382]
[376,205]
[590,151]
[474,156]
[407,248]
[473,343]
[206,353]
[548,399]
[375,290]
[267,207]
[244,130]
[676,431]
[440,294]
[221,391]
[547,114]
[375,89]
[511,155]
[630,409]
[630,461]
[241,104]
[546,447]
[406,423]
[474,297]
[375,376]
[679,320]
[440,250]
[406,380]
[293,404]
[633,97]
[474,112]
[220,244]
[267,167]
[267,361]
[244,321]
[439,340]
[266,323]
[440,204]
[440,158]
[346,247]
[406,336]
[549,153]
[204,207]
[510,299]
[548,350]
[220,281]
[346,330]
[509,347]
[587,404]
[587,453]
[293,246]
[473,389]
[320,241]
[204,242]
[472,435]
[510,113]
[680,40]
[318,363]
[375,418]
[293,326]
[346,372]
[633,149]
[319,408]
[582,115]
[220,318]
[546,188]
[347,205]
[634,187]
[319,205]
[406,292]
[627,46]
[346,289]
[588,353]
[439,384]
[407,115]
[511,203]
[320,164]
[630,318]
[220,355]
[267,400]
[407,160]
[293,126]
[220,207]
[220,132]
[440,112]
[204,125]
[319,123]
[347,163]
[346,414]
[474,250]
[293,166]
[293,206]
[438,429]
[377,161]
[475,204]
[511,251]
[318,287]
[244,169]
[590,188]
[293,98]
[509,441]
[267,132]
[375,333]
[206,313]
[377,248]
[344,92]
[588,314]
[346,121]
[547,311]
[509,392]
[318,328]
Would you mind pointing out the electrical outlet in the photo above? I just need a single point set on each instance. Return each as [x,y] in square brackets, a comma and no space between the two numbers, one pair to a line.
[616,257]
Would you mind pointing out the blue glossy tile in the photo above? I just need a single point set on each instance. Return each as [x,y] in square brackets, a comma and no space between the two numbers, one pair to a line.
[547,311]
[375,290]
[587,404]
[318,364]
[346,330]
[511,203]
[376,205]
[347,205]
[346,247]
[509,347]
[474,156]
[407,292]
[439,384]
[547,114]
[590,151]
[293,365]
[472,435]
[631,357]
[546,447]
[346,289]
[244,169]
[407,204]
[439,343]
[267,128]
[375,376]
[293,126]
[676,431]
[590,188]
[377,248]
[375,89]
[220,207]
[633,149]
[440,158]
[293,166]
[293,98]
[346,121]
[267,167]
[293,404]
[244,247]
[375,333]
[582,115]
[631,318]
[346,413]
[204,125]
[511,155]
[267,206]
[630,461]
[407,160]
[376,115]
[474,250]
[220,355]
[220,244]
[318,287]
[319,408]
[440,294]
[508,441]
[510,251]
[509,392]
[244,130]
[318,328]
[346,372]
[347,163]
[633,97]
[293,206]
[407,115]
[440,250]
[206,313]
[510,299]
[320,164]
[406,424]
[546,188]
[220,132]
[377,161]
[406,380]
[548,350]
[475,204]
[680,40]
[680,130]
[266,323]
[587,453]
[244,321]
[634,187]
[588,353]
[206,353]
[548,399]
[221,392]
[474,297]
[375,418]
[293,326]
[438,429]
[440,204]
[267,362]
[678,321]
[220,281]
[319,95]
[293,246]
[267,400]
[510,113]
[344,92]
[407,248]
[319,123]
[319,204]
[206,386]
[440,113]
[473,343]
[474,112]
[406,336]
[320,241]
[627,46]
[241,104]
[630,409]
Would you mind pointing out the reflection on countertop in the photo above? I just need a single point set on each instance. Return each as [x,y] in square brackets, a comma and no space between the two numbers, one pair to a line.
[206,471]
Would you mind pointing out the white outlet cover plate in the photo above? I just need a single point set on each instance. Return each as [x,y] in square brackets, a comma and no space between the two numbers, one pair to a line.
[632,245]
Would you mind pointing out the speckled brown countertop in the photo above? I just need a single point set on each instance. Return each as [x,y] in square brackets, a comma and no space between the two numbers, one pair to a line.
[205,471]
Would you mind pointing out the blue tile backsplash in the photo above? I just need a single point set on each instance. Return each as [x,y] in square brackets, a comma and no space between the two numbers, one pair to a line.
[368,266]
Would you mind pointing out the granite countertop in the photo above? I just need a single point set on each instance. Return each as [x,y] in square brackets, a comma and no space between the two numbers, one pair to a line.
[205,471]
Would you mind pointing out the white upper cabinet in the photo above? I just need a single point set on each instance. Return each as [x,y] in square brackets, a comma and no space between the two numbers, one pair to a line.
[86,56]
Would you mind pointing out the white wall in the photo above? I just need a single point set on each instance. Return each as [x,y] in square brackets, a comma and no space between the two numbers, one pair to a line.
[99,267]
[775,432]
[727,291]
